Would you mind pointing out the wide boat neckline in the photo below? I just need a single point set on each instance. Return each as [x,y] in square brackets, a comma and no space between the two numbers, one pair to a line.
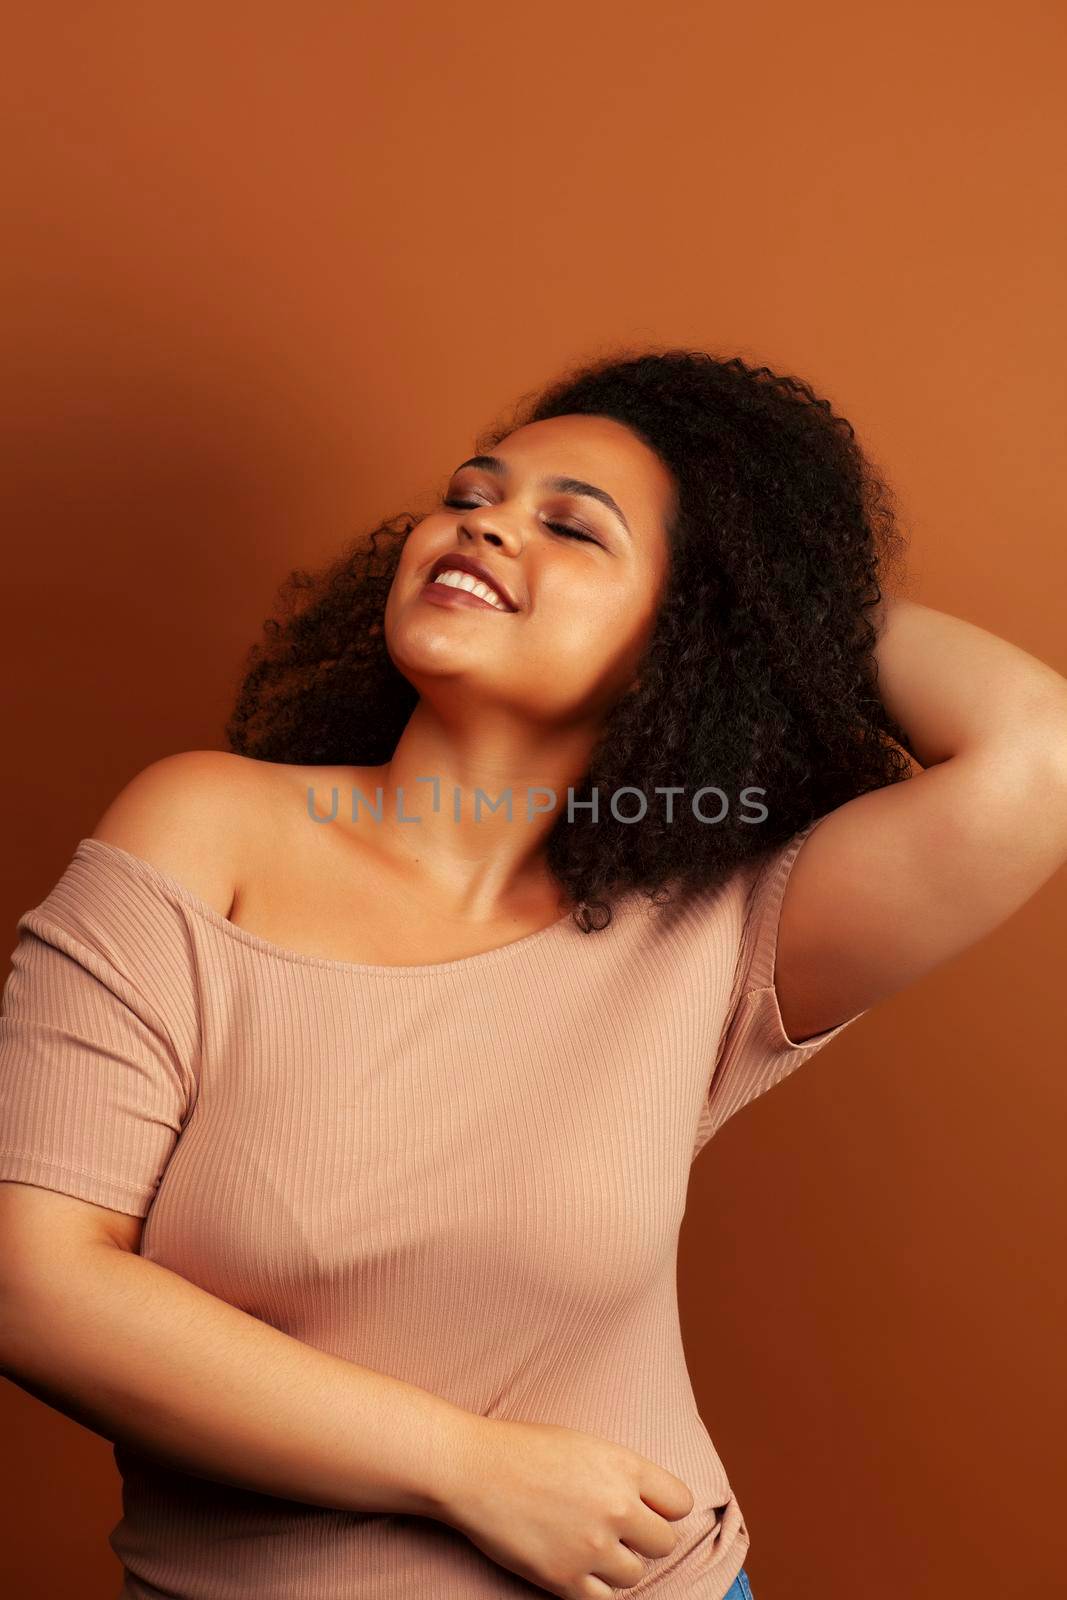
[179,891]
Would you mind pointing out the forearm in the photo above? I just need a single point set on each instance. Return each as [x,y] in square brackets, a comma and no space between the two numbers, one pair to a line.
[141,1355]
[954,687]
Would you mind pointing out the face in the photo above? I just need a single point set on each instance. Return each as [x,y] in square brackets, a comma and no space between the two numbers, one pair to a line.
[583,571]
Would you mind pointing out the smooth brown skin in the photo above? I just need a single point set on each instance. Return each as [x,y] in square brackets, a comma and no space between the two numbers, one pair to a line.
[889,886]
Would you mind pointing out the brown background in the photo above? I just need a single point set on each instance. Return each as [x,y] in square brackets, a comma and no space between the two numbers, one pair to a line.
[269,268]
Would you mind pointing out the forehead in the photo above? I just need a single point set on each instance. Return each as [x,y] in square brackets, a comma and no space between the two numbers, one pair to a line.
[602,451]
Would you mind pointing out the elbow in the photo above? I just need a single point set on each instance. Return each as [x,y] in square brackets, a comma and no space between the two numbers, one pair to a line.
[1034,749]
[1054,751]
[1046,752]
[1047,797]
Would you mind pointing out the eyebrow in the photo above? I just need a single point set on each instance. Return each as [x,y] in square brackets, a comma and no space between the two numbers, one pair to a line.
[561,485]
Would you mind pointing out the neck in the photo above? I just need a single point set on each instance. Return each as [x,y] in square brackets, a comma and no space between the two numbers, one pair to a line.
[478,852]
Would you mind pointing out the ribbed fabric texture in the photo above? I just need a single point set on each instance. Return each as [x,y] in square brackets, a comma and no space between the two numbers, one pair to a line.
[470,1175]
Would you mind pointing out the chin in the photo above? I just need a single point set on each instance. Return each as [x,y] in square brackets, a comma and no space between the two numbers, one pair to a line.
[424,654]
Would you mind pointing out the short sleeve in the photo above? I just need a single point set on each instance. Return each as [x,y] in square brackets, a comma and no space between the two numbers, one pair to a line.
[755,1052]
[97,1038]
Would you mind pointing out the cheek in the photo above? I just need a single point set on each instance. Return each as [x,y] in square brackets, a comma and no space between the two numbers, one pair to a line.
[590,627]
[391,597]
[601,605]
[414,558]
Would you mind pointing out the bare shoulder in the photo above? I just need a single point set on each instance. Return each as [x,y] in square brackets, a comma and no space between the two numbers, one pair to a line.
[192,815]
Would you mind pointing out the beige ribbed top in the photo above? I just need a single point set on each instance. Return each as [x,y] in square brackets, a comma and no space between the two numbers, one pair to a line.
[470,1175]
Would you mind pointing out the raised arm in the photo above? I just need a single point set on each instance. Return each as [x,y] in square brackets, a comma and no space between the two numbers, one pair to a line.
[898,880]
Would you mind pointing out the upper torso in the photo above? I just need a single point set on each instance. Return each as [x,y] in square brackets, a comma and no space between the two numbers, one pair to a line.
[276,849]
[300,879]
[469,1173]
[465,1168]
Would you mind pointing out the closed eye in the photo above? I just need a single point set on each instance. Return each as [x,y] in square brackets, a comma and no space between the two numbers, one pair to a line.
[557,527]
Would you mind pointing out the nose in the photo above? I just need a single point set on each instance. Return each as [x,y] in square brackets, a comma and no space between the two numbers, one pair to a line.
[486,522]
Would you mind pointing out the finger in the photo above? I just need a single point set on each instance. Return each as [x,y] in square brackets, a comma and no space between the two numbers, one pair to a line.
[648,1534]
[625,1569]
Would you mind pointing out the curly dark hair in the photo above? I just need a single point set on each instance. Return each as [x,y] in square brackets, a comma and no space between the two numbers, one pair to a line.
[760,669]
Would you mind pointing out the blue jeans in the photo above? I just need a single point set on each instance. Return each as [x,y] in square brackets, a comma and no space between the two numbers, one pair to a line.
[739,1589]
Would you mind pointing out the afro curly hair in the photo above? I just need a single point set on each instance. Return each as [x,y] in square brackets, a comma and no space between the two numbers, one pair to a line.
[759,672]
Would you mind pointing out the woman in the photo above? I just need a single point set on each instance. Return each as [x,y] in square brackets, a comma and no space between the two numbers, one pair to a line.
[347,1139]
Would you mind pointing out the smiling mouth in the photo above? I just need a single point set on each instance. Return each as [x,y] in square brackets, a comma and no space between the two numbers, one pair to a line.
[453,585]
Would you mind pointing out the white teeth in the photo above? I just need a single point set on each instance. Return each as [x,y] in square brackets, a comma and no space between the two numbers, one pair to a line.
[466,580]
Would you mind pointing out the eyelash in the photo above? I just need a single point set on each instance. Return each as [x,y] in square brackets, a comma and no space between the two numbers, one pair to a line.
[557,527]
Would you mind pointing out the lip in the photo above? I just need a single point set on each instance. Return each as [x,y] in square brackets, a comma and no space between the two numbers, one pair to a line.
[460,562]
